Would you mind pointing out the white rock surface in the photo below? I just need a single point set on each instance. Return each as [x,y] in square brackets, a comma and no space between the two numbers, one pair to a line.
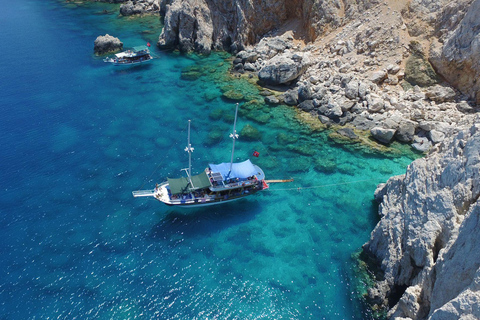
[429,236]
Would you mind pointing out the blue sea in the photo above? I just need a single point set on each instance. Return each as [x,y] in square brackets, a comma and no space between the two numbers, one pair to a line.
[78,136]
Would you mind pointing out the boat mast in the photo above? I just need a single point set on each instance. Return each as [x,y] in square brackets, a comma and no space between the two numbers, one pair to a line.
[189,149]
[234,136]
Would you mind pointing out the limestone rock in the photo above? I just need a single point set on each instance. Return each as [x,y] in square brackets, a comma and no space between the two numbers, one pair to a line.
[106,44]
[405,131]
[378,76]
[290,97]
[383,135]
[457,60]
[436,136]
[306,105]
[465,107]
[421,144]
[428,239]
[188,25]
[351,90]
[284,68]
[440,93]
[139,7]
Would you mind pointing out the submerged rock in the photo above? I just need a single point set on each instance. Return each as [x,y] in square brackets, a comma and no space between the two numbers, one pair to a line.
[250,133]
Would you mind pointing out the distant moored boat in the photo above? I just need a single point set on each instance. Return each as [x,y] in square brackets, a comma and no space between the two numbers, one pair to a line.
[136,55]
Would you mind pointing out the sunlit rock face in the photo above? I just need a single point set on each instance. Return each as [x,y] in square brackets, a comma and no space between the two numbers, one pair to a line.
[203,26]
[428,240]
[458,58]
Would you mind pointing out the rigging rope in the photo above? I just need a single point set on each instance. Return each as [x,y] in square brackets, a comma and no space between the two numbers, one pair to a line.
[321,186]
[148,179]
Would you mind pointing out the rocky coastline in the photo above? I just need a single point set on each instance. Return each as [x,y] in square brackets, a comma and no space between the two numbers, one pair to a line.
[427,241]
[399,70]
[380,68]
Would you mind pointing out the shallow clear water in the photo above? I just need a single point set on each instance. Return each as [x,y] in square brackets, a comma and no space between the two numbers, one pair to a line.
[79,135]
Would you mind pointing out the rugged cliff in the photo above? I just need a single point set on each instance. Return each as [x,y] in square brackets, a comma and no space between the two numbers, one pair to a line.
[456,54]
[205,25]
[428,239]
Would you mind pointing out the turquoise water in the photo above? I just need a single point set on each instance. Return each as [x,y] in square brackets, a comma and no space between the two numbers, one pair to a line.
[79,135]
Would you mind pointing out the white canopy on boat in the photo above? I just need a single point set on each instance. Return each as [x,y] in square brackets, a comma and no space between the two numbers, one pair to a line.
[241,170]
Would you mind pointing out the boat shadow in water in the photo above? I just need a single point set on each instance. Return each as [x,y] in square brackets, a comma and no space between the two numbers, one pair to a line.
[206,220]
[132,69]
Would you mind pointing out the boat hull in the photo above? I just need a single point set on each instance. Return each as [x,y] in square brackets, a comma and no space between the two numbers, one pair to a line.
[161,194]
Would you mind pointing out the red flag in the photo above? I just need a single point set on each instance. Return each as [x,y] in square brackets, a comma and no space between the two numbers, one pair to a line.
[148,44]
[256,154]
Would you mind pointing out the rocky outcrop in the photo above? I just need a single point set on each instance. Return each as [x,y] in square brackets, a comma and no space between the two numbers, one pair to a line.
[139,7]
[371,28]
[235,24]
[457,60]
[283,68]
[428,239]
[106,44]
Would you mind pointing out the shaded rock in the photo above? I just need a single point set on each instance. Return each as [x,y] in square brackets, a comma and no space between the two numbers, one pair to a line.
[331,109]
[187,26]
[383,135]
[393,69]
[106,44]
[405,131]
[346,105]
[290,97]
[464,107]
[304,93]
[362,90]
[380,191]
[306,105]
[362,123]
[324,120]
[440,93]
[418,71]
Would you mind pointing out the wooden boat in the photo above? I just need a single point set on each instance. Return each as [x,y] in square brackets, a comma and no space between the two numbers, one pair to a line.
[134,56]
[218,183]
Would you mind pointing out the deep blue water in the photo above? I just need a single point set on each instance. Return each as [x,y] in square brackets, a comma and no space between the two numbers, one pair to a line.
[77,136]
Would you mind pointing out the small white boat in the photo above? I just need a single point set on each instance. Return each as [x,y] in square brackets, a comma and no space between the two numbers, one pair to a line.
[136,55]
[218,183]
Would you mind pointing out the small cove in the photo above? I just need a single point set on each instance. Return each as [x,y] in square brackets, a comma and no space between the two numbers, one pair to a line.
[80,135]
